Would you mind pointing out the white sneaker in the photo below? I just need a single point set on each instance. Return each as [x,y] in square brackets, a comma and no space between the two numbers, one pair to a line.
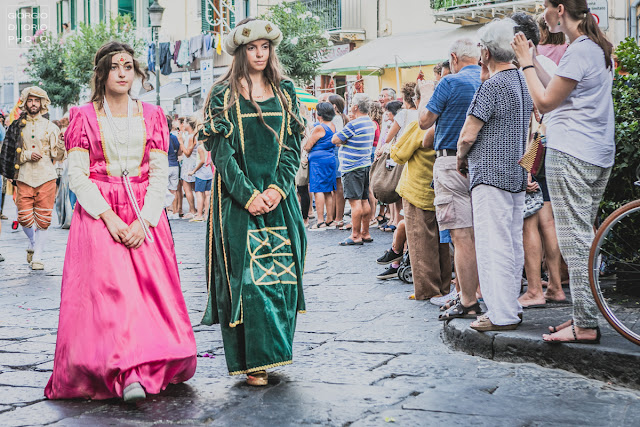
[439,301]
[133,393]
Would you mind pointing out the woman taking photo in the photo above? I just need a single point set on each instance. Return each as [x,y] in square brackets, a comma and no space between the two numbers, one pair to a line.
[580,146]
[124,329]
[256,237]
[322,165]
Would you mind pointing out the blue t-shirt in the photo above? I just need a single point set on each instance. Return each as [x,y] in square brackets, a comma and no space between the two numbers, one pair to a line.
[174,146]
[450,101]
[357,136]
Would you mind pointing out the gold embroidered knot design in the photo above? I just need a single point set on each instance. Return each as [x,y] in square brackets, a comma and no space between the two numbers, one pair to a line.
[271,257]
[246,32]
[268,28]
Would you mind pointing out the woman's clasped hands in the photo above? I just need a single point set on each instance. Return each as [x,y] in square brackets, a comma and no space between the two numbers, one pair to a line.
[132,236]
[265,202]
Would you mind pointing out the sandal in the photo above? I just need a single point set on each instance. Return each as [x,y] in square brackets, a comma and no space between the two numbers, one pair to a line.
[318,226]
[258,379]
[575,339]
[459,311]
[346,227]
[554,329]
[447,305]
[484,324]
[390,228]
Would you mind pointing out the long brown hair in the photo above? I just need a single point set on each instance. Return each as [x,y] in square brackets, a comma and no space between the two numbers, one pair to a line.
[339,103]
[546,36]
[239,70]
[579,11]
[102,68]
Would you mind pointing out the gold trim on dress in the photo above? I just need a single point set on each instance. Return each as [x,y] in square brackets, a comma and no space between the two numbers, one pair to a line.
[255,194]
[278,189]
[261,368]
[157,150]
[102,140]
[267,114]
[84,150]
[255,259]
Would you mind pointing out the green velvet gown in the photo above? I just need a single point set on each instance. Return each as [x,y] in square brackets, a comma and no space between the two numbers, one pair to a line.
[254,263]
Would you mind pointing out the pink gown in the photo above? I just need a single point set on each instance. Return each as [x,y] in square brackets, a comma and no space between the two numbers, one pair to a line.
[123,318]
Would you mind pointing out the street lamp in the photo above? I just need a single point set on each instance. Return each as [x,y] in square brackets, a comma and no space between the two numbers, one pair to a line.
[155,16]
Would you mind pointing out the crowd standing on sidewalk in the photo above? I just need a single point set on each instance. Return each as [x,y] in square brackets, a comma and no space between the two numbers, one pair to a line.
[459,152]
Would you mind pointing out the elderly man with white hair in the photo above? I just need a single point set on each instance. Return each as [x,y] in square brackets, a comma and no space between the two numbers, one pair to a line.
[492,141]
[447,109]
[356,142]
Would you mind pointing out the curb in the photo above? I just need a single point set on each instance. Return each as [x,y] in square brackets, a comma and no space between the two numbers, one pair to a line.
[615,360]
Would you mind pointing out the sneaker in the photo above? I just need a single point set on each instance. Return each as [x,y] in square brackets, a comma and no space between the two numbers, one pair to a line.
[439,301]
[389,273]
[389,257]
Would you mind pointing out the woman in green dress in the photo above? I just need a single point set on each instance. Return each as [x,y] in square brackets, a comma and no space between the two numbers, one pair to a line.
[256,240]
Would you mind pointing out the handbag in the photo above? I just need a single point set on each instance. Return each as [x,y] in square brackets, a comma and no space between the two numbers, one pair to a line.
[385,174]
[533,202]
[302,176]
[533,158]
[384,177]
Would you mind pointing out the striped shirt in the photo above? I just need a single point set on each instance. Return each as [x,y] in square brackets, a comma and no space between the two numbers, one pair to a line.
[357,136]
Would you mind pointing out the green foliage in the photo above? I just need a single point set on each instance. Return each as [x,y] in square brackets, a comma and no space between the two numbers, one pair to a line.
[45,66]
[303,40]
[81,47]
[626,100]
[64,68]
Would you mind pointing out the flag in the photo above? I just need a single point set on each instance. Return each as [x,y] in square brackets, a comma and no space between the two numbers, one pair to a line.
[15,113]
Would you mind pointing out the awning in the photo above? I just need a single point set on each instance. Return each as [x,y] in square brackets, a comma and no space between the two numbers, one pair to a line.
[306,98]
[410,50]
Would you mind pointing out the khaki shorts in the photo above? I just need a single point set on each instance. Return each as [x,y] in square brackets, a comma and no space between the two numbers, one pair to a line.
[453,198]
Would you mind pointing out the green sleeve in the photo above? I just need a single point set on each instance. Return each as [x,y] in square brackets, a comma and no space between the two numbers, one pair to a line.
[290,155]
[220,136]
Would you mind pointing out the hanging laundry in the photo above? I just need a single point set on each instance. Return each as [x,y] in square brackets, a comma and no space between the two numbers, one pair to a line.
[165,59]
[218,44]
[195,47]
[207,42]
[151,57]
[184,58]
[176,50]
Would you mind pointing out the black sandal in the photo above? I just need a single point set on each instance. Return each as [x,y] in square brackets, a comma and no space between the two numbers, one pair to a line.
[447,305]
[575,339]
[459,311]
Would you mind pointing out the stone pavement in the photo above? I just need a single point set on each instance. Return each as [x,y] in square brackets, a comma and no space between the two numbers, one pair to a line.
[364,355]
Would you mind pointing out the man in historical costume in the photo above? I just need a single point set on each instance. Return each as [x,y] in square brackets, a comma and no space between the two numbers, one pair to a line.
[36,181]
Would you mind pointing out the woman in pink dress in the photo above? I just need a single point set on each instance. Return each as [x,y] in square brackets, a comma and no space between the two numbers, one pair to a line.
[124,330]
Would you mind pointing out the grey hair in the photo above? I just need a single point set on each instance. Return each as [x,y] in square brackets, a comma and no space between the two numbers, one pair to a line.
[497,36]
[363,102]
[391,91]
[465,48]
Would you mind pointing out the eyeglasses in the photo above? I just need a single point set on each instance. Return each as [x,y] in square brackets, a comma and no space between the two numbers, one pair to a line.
[415,98]
[481,46]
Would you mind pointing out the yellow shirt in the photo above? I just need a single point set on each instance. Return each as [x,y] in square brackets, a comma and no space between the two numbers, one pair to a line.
[39,135]
[415,182]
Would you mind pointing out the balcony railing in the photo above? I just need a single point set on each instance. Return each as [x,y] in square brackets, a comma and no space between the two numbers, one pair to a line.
[336,15]
[468,12]
[329,11]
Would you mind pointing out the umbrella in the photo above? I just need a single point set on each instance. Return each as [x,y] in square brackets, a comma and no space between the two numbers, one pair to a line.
[306,98]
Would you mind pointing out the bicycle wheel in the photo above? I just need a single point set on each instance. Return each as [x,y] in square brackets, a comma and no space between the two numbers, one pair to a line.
[614,260]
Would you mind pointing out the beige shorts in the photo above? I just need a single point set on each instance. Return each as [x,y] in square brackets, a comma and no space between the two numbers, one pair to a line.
[453,198]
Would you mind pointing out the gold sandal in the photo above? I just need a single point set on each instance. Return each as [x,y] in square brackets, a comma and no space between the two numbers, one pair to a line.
[258,378]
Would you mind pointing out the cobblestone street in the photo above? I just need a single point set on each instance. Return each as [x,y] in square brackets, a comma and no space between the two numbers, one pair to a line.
[364,355]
